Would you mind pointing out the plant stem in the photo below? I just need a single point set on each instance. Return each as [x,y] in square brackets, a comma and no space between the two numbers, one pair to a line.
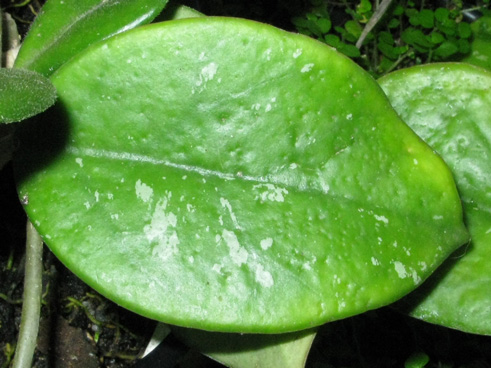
[31,309]
[379,13]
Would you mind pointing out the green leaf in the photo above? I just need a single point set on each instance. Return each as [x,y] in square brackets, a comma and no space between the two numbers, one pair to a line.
[324,25]
[464,30]
[442,14]
[190,194]
[416,37]
[480,53]
[449,106]
[244,351]
[427,18]
[436,38]
[445,50]
[66,27]
[23,94]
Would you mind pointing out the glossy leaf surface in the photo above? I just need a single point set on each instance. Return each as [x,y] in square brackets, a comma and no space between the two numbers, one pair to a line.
[65,27]
[250,350]
[255,182]
[449,106]
[23,94]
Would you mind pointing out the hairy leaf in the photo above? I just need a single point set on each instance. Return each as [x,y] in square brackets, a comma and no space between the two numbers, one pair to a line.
[23,94]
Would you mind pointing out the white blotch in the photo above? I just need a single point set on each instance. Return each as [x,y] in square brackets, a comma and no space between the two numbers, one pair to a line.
[307,68]
[438,217]
[263,277]
[349,116]
[110,196]
[190,208]
[191,259]
[115,216]
[96,195]
[268,54]
[395,244]
[266,243]
[143,191]
[238,254]
[272,193]
[161,231]
[297,53]
[400,269]
[87,205]
[217,268]
[268,108]
[207,73]
[375,261]
[293,166]
[383,219]
[79,161]
[256,106]
[226,204]
[184,177]
[415,161]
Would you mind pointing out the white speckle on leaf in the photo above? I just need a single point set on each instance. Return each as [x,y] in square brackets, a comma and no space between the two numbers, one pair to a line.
[207,73]
[256,106]
[266,243]
[143,191]
[293,166]
[400,269]
[415,161]
[226,204]
[375,261]
[161,231]
[87,205]
[307,68]
[297,53]
[190,208]
[438,217]
[115,216]
[191,259]
[96,194]
[349,116]
[272,193]
[268,108]
[383,219]
[263,277]
[238,254]
[217,268]
[79,161]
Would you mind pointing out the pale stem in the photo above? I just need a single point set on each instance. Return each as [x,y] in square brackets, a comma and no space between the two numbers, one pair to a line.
[31,307]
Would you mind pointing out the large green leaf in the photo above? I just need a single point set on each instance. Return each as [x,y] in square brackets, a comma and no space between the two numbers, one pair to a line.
[249,350]
[23,94]
[254,182]
[65,27]
[449,106]
[481,43]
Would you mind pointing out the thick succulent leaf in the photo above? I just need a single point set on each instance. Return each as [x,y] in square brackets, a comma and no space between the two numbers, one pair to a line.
[65,27]
[449,106]
[481,43]
[255,182]
[23,94]
[175,11]
[249,350]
